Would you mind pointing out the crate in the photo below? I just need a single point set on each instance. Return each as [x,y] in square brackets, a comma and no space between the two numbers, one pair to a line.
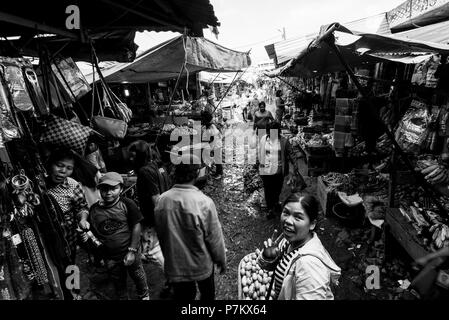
[405,177]
[405,234]
[326,196]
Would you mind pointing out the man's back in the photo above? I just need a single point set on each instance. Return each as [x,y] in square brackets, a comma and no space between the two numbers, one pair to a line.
[189,232]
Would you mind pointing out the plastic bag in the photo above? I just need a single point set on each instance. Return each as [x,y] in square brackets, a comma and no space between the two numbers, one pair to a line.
[413,128]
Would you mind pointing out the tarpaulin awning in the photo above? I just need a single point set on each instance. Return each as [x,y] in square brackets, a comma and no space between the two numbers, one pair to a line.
[358,49]
[165,61]
[286,50]
[227,78]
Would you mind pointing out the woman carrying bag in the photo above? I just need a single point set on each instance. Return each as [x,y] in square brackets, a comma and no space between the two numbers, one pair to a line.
[303,269]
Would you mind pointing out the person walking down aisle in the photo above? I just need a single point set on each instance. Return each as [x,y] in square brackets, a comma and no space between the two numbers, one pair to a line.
[115,221]
[280,106]
[212,135]
[303,269]
[253,106]
[274,165]
[262,117]
[190,234]
[151,182]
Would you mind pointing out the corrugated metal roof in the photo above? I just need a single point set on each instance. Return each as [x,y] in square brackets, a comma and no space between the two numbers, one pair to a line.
[438,32]
[288,49]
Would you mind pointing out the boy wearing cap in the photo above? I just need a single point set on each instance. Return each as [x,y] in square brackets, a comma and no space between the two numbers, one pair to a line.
[115,221]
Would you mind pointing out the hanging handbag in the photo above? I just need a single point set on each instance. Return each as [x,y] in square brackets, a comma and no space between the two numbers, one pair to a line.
[110,127]
[65,133]
[107,126]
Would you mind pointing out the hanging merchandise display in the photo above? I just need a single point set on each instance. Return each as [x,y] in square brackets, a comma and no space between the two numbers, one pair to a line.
[413,128]
[70,77]
[65,133]
[12,72]
[114,125]
[107,126]
[9,130]
[35,256]
[35,91]
[432,67]
[425,73]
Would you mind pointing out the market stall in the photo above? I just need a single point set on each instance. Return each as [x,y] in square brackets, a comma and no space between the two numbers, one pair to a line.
[409,160]
[40,110]
[173,113]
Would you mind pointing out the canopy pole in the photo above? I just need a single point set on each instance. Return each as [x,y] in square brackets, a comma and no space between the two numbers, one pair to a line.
[214,79]
[227,91]
[171,101]
[428,188]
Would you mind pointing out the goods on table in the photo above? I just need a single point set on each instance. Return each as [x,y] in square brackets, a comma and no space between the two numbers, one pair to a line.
[413,128]
[375,207]
[253,281]
[428,225]
[184,131]
[433,172]
[335,179]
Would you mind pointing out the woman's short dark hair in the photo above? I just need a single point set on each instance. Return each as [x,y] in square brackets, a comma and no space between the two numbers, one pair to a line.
[59,154]
[308,202]
[85,172]
[143,152]
[262,103]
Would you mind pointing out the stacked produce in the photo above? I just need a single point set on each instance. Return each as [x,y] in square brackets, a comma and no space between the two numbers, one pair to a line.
[168,127]
[316,141]
[429,226]
[433,172]
[184,130]
[384,145]
[355,182]
[254,281]
[334,179]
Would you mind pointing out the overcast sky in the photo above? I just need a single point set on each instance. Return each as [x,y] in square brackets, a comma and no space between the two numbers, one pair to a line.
[252,24]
